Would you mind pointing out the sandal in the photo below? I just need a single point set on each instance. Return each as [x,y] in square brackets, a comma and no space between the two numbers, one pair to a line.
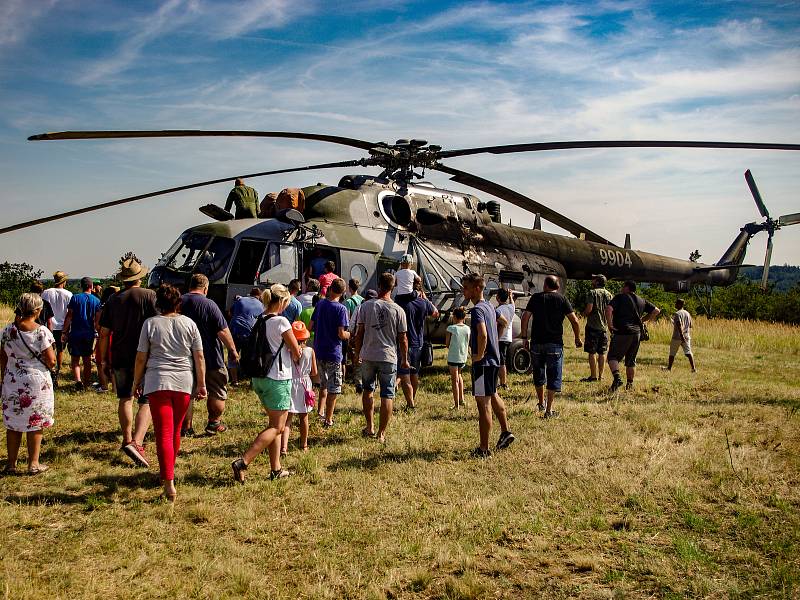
[10,471]
[239,467]
[279,474]
[36,470]
[367,433]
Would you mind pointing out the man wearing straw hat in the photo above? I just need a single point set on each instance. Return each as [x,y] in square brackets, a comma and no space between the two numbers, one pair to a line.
[59,298]
[122,320]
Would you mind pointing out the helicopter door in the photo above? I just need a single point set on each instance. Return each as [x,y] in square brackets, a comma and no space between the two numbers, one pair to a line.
[245,268]
[280,264]
[358,265]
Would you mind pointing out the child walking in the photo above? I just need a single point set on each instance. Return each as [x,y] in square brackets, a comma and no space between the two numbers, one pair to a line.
[457,342]
[302,375]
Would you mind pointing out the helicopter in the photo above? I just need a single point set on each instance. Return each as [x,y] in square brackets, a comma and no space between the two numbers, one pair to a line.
[365,223]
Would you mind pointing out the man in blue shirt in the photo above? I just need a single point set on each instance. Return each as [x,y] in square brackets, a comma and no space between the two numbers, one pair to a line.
[485,366]
[292,312]
[214,332]
[244,312]
[329,324]
[417,310]
[79,332]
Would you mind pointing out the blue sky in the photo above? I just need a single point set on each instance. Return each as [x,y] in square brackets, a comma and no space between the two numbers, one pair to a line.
[458,74]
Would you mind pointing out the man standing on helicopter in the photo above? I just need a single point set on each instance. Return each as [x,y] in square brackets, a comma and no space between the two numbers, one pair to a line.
[245,199]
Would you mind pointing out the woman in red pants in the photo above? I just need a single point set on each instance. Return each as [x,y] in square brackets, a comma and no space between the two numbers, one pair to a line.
[169,348]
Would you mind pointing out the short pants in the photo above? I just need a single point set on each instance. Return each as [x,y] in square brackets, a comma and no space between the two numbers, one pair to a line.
[330,376]
[484,380]
[80,347]
[459,366]
[548,365]
[675,344]
[624,345]
[217,384]
[504,346]
[414,361]
[59,344]
[385,372]
[123,383]
[274,394]
[596,341]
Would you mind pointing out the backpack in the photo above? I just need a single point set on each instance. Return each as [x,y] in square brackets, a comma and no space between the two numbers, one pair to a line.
[257,357]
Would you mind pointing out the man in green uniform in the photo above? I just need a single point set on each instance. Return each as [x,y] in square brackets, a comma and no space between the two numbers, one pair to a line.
[245,199]
[596,344]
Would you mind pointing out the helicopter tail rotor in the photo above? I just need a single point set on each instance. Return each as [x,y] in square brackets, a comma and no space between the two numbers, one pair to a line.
[769,225]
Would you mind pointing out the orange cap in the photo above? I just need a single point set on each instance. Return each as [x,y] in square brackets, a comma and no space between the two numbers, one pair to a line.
[300,332]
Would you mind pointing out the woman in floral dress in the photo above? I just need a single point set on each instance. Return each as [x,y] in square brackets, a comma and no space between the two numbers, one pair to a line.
[26,357]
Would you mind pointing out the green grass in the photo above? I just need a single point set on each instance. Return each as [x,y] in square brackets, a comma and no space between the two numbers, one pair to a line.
[629,496]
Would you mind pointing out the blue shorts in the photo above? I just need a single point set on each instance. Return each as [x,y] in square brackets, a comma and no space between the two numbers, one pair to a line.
[414,360]
[548,364]
[384,372]
[80,346]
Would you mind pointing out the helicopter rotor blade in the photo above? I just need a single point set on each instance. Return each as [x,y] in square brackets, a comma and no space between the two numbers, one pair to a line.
[751,183]
[79,211]
[106,135]
[518,199]
[540,146]
[791,219]
[767,259]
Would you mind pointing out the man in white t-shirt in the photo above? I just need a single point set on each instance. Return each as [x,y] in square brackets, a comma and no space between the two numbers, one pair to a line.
[404,278]
[681,335]
[59,298]
[505,312]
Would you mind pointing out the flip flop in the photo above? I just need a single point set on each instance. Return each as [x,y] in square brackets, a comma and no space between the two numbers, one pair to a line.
[367,434]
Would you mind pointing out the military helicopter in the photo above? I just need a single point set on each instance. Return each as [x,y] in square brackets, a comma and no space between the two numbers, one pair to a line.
[366,222]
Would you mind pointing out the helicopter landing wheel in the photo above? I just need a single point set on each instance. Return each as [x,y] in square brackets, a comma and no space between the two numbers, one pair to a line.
[521,361]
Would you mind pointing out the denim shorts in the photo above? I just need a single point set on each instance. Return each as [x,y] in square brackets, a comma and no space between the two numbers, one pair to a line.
[80,347]
[414,361]
[386,374]
[548,363]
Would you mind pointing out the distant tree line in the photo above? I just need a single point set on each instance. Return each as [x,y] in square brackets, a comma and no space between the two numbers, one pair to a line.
[743,300]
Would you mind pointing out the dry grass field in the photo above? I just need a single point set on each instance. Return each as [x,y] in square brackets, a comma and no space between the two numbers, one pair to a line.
[688,486]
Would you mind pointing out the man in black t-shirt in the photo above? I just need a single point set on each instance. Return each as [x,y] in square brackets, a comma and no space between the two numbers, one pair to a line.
[624,318]
[548,309]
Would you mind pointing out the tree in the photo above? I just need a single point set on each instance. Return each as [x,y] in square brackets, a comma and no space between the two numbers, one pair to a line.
[15,279]
[695,255]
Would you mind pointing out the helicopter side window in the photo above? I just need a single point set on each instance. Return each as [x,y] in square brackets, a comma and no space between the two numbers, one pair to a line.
[280,264]
[247,261]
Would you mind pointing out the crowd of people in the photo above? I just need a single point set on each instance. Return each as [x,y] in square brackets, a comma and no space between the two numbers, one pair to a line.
[162,348]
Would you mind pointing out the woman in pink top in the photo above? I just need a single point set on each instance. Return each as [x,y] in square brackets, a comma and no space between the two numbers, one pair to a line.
[327,277]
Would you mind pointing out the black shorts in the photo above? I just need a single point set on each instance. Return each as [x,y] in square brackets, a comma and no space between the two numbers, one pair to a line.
[504,346]
[624,345]
[80,347]
[596,341]
[123,383]
[484,380]
[414,362]
[59,344]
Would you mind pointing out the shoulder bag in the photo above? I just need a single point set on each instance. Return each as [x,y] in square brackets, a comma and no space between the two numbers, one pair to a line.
[644,335]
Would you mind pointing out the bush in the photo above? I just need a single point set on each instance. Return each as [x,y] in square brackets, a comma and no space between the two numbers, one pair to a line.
[16,278]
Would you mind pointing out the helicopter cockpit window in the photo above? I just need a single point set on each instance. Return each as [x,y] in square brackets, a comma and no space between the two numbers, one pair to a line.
[280,264]
[247,262]
[187,255]
[214,261]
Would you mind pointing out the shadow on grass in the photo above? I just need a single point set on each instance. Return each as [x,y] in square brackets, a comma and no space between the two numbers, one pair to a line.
[109,485]
[85,437]
[390,456]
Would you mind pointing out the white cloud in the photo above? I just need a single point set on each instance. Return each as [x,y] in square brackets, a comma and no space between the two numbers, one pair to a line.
[17,18]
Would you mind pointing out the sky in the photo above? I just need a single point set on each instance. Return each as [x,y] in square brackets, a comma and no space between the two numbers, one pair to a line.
[458,74]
